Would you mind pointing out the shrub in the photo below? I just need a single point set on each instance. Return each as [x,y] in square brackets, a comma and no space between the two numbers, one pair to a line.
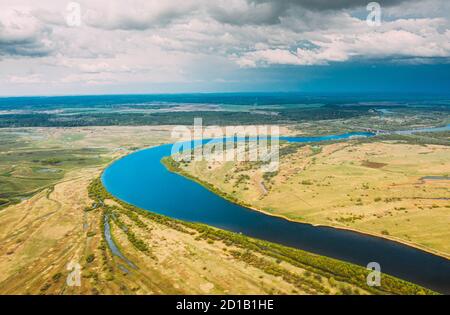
[90,258]
[57,276]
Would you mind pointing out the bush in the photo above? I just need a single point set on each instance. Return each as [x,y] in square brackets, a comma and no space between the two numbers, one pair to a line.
[90,258]
[57,276]
[324,266]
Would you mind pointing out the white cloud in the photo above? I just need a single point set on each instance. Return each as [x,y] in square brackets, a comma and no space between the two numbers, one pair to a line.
[174,41]
[27,79]
[136,14]
[22,34]
[412,38]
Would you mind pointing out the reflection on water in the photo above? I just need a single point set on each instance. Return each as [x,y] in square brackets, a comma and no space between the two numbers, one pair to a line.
[112,245]
[432,129]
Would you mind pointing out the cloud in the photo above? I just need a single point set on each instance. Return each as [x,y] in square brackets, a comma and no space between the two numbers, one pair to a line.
[137,14]
[244,12]
[22,34]
[150,14]
[323,5]
[174,41]
[27,79]
[420,38]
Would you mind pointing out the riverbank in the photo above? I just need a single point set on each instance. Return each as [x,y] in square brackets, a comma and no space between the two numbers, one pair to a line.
[171,165]
[142,180]
[250,251]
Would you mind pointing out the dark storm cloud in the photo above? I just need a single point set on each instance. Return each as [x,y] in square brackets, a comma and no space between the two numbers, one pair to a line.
[145,16]
[269,12]
[22,34]
[322,5]
[23,48]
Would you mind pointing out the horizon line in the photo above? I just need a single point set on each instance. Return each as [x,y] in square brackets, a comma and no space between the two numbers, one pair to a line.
[370,93]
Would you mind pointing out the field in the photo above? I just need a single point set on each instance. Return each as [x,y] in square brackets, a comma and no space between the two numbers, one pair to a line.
[343,112]
[377,187]
[64,222]
[32,159]
[43,235]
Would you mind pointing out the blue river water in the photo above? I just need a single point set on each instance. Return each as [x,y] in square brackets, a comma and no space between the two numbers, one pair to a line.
[140,179]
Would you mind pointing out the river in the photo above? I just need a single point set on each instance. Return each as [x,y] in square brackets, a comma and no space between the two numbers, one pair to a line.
[140,179]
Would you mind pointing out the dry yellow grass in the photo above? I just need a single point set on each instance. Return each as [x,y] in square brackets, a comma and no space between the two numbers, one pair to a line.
[374,188]
[41,236]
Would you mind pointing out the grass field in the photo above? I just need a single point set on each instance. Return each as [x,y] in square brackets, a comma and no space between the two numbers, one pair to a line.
[33,159]
[44,174]
[41,236]
[373,187]
[52,218]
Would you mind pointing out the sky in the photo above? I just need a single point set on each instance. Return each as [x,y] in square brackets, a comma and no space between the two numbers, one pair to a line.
[57,47]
